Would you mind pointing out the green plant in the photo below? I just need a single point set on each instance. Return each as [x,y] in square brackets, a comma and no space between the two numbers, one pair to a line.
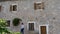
[13,33]
[3,27]
[16,21]
[4,30]
[16,33]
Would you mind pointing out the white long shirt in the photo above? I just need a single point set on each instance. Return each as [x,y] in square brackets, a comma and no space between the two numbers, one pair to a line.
[22,26]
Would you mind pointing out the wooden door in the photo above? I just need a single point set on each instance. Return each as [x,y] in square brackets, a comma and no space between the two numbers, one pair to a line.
[31,26]
[43,29]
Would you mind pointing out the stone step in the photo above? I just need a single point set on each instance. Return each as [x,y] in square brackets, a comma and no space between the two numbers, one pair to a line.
[31,32]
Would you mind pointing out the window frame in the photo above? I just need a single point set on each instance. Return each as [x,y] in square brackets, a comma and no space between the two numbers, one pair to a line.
[7,23]
[28,25]
[11,7]
[38,4]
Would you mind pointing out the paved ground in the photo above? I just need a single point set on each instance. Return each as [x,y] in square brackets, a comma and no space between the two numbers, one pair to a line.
[31,32]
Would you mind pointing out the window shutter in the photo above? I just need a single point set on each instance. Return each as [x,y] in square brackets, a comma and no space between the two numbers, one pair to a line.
[11,7]
[0,8]
[35,6]
[39,5]
[42,5]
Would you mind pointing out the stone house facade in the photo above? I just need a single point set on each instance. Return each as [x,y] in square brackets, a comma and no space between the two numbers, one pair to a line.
[48,16]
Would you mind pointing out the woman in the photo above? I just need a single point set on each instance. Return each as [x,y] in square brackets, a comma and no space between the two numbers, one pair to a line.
[22,28]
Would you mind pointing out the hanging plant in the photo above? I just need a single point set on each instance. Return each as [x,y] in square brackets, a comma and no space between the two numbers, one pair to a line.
[16,21]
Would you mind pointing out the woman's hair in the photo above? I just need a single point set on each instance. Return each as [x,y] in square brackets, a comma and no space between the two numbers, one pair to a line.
[21,23]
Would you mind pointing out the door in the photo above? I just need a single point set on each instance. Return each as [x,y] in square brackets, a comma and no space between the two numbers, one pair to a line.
[43,29]
[31,26]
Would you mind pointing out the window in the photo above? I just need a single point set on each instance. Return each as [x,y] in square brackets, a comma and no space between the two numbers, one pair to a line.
[31,26]
[13,7]
[8,23]
[0,8]
[39,5]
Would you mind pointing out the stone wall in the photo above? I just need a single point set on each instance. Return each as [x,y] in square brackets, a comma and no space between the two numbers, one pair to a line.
[50,15]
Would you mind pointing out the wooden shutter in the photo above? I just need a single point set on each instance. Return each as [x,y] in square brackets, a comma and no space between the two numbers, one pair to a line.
[42,5]
[11,8]
[0,8]
[35,6]
[31,26]
[43,29]
[39,5]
